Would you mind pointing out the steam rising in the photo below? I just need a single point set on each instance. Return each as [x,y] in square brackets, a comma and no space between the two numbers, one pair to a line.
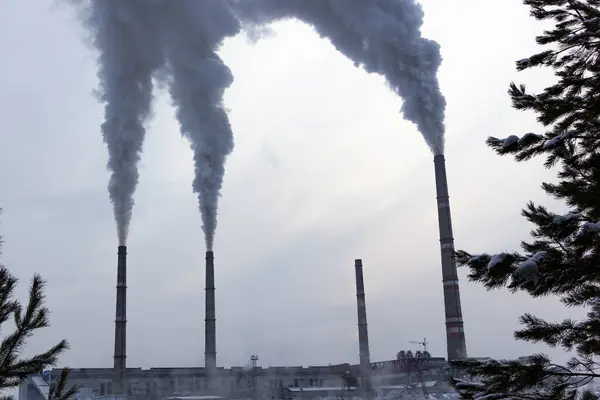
[176,41]
[382,36]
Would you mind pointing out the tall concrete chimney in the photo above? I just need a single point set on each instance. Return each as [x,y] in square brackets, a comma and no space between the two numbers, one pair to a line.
[363,334]
[210,343]
[455,334]
[120,356]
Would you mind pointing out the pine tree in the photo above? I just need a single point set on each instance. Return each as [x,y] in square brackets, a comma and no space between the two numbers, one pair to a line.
[13,367]
[563,257]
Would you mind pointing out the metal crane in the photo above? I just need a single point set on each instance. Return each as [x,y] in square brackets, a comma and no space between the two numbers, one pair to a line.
[420,368]
[423,343]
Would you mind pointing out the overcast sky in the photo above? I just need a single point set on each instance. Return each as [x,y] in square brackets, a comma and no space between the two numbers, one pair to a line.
[324,171]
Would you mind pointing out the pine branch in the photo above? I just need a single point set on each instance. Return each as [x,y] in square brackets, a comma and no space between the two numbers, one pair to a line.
[565,334]
[13,369]
[536,379]
[35,317]
[59,391]
[39,362]
[7,287]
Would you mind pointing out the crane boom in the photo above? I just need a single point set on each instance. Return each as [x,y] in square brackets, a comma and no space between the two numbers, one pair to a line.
[423,343]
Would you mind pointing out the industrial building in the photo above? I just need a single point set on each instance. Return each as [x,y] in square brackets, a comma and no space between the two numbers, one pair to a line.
[249,382]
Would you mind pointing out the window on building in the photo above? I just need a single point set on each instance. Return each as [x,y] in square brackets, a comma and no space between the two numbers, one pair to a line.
[296,382]
[108,387]
[311,382]
[280,383]
[102,388]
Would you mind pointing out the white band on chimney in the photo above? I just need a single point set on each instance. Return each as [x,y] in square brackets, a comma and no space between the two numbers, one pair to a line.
[442,205]
[120,319]
[454,320]
[451,282]
[447,246]
[455,329]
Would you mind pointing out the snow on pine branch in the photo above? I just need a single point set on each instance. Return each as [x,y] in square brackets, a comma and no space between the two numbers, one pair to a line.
[555,141]
[588,228]
[514,143]
[582,229]
[495,270]
[571,223]
[559,241]
[532,377]
[568,217]
[528,270]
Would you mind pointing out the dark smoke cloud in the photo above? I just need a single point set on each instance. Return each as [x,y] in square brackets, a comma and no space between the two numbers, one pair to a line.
[382,36]
[176,42]
[194,31]
[125,65]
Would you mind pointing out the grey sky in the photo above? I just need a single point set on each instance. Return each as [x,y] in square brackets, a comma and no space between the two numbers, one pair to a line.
[324,171]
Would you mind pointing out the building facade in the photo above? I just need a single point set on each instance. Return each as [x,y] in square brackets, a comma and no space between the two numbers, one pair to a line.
[249,382]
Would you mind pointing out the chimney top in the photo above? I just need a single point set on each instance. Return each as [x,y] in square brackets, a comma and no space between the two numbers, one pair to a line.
[122,250]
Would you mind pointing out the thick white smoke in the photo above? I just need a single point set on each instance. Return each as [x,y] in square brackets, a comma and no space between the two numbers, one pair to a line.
[382,36]
[174,41]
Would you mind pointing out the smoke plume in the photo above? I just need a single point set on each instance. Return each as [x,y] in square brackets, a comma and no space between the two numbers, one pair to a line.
[173,41]
[176,42]
[126,62]
[382,36]
[194,30]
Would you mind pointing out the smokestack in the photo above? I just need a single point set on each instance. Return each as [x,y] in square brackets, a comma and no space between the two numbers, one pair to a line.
[210,343]
[121,317]
[455,334]
[363,334]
